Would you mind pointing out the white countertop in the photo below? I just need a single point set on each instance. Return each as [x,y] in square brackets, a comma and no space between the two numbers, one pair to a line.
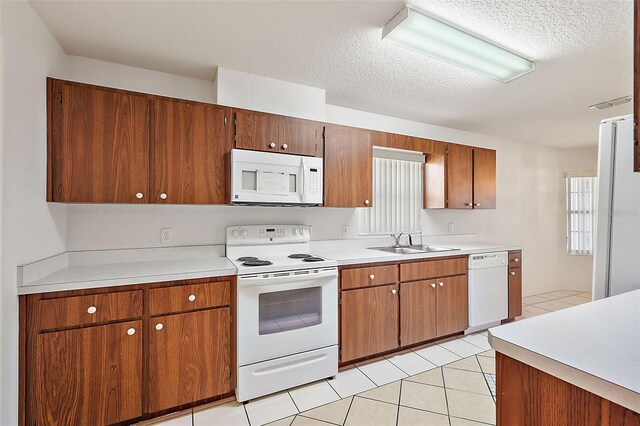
[107,268]
[353,252]
[595,346]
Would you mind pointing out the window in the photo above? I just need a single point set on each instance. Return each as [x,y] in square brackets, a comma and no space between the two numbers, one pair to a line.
[581,189]
[397,193]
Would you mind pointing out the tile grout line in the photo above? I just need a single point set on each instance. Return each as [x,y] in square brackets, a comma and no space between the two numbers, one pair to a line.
[244,407]
[446,397]
[348,410]
[399,401]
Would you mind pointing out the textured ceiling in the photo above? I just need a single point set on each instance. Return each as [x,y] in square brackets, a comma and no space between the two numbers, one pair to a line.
[582,49]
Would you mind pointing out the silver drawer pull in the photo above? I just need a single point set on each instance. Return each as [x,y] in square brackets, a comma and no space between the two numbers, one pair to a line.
[394,291]
[372,277]
[192,298]
[433,285]
[159,326]
[131,331]
[516,260]
[139,195]
[441,284]
[513,273]
[91,310]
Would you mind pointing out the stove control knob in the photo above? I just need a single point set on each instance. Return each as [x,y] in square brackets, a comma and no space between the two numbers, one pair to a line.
[235,233]
[294,231]
[301,230]
[244,233]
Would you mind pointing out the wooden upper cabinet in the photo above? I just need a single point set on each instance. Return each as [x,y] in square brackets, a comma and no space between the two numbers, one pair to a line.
[90,375]
[369,318]
[98,144]
[260,131]
[348,157]
[460,177]
[189,358]
[484,178]
[190,150]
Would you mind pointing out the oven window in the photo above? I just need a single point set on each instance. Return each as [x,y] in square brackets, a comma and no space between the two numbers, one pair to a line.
[289,310]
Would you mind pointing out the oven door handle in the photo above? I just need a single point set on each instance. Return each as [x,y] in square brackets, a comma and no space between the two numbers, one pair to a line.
[258,280]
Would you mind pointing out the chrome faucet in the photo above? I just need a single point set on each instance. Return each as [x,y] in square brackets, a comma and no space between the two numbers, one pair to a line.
[397,239]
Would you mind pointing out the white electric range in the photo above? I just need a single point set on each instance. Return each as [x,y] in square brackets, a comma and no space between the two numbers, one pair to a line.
[287,309]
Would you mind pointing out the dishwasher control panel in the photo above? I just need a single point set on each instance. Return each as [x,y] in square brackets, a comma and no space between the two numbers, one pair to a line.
[488,260]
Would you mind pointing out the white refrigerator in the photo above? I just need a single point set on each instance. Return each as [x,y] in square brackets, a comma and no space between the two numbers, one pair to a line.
[616,267]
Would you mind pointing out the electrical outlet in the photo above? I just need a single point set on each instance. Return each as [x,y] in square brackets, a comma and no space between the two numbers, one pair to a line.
[345,231]
[165,235]
[451,228]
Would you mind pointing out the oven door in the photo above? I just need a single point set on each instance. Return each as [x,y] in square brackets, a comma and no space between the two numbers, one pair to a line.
[287,313]
[275,179]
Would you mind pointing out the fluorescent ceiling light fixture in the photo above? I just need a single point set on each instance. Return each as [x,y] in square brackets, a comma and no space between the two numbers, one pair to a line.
[438,40]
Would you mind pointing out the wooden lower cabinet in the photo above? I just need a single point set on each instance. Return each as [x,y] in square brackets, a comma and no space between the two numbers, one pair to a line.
[189,357]
[417,312]
[89,375]
[433,308]
[515,284]
[452,305]
[369,319]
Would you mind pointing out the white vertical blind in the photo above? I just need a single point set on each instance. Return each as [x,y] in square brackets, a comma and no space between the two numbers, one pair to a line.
[580,214]
[397,197]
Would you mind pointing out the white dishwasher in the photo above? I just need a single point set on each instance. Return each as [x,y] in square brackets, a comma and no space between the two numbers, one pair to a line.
[488,290]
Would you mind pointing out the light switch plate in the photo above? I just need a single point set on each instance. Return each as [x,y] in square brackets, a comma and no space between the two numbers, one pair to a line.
[165,235]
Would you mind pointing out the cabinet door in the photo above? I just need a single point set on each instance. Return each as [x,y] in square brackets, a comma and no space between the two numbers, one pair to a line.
[484,178]
[302,137]
[347,167]
[369,320]
[190,149]
[90,375]
[417,312]
[460,177]
[452,305]
[257,131]
[515,292]
[189,357]
[98,144]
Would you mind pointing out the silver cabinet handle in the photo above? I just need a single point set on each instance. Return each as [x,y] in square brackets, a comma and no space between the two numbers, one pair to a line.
[513,273]
[470,204]
[159,326]
[366,202]
[131,331]
[163,196]
[139,195]
[441,284]
[372,277]
[477,204]
[91,310]
[516,260]
[272,145]
[192,298]
[285,146]
[394,291]
[433,285]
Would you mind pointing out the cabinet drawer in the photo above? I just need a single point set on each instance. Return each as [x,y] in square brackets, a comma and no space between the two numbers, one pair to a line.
[366,277]
[188,297]
[515,259]
[83,310]
[432,269]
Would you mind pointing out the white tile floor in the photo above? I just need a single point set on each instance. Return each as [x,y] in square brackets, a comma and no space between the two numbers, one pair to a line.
[451,383]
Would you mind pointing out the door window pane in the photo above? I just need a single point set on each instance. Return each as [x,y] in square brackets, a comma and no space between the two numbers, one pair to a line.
[289,310]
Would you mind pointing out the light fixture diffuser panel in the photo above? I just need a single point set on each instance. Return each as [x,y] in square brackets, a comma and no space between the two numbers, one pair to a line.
[441,41]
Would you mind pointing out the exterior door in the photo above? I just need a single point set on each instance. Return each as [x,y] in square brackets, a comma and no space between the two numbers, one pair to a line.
[99,140]
[89,375]
[189,357]
[484,178]
[190,153]
[257,131]
[460,177]
[452,305]
[369,320]
[417,312]
[348,156]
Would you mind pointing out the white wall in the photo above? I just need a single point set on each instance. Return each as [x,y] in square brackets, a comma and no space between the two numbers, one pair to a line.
[30,228]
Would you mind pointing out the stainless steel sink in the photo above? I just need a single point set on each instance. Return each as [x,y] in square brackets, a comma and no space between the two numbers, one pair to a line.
[415,249]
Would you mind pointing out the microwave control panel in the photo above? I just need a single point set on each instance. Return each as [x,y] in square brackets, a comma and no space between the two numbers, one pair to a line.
[314,181]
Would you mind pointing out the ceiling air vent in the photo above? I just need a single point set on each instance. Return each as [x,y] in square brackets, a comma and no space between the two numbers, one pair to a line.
[612,102]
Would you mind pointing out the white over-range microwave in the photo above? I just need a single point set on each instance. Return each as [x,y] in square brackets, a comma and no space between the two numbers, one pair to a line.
[271,179]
